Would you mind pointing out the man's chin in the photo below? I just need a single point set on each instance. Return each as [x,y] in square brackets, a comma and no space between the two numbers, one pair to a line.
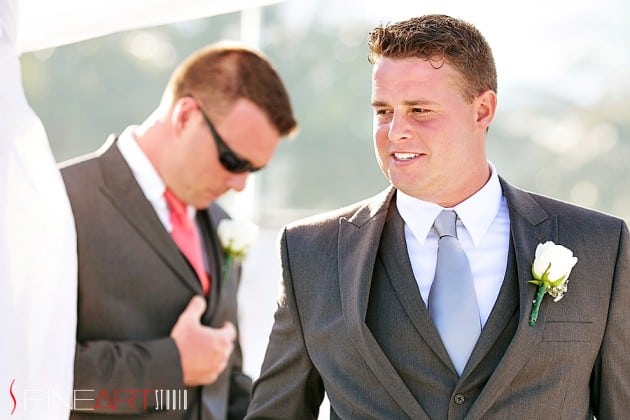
[203,202]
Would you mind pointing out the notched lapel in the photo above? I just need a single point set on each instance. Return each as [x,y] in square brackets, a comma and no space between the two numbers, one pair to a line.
[358,242]
[125,194]
[529,225]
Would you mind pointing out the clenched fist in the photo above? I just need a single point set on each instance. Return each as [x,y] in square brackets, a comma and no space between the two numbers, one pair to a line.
[204,351]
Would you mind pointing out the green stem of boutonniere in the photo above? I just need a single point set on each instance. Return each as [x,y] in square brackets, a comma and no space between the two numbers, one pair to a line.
[542,289]
[226,268]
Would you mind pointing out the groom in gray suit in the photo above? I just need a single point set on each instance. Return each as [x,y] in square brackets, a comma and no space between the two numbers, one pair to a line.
[358,317]
[157,329]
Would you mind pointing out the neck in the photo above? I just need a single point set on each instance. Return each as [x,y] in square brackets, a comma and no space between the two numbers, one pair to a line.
[151,135]
[474,183]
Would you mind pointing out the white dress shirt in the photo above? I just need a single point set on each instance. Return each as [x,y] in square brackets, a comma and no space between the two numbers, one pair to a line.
[483,228]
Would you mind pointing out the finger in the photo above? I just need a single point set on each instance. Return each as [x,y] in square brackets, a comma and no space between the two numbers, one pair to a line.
[195,308]
[229,331]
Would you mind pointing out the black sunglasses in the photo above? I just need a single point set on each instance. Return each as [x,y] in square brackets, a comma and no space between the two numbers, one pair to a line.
[229,159]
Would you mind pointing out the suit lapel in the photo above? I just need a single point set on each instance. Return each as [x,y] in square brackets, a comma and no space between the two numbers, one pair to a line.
[209,220]
[504,310]
[396,262]
[358,242]
[529,225]
[123,191]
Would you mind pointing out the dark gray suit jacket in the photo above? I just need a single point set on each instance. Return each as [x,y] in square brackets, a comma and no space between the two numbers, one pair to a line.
[133,284]
[351,323]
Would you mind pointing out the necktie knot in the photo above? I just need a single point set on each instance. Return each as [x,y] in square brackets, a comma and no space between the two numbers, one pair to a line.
[445,223]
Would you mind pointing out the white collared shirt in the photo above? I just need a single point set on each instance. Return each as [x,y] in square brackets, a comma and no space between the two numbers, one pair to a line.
[147,177]
[483,228]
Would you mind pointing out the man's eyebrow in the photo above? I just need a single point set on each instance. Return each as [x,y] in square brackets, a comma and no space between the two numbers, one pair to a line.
[407,103]
[379,103]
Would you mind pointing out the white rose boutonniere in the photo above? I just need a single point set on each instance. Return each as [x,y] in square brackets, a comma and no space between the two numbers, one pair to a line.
[552,266]
[237,237]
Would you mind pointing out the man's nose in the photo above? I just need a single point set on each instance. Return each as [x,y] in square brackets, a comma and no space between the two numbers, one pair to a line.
[399,127]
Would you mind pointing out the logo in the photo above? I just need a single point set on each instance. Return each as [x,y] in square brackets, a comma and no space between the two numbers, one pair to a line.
[12,396]
[105,401]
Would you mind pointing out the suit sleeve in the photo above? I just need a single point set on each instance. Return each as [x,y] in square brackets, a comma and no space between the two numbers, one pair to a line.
[289,386]
[240,388]
[119,376]
[611,378]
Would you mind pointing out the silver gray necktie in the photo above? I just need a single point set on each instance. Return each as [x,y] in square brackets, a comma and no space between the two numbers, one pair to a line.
[453,302]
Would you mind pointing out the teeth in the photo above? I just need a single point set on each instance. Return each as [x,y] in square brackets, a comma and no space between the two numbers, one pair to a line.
[405,156]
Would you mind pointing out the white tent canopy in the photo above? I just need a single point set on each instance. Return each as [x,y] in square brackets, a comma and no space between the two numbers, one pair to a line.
[45,24]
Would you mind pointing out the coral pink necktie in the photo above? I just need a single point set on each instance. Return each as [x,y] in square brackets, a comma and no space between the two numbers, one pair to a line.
[186,237]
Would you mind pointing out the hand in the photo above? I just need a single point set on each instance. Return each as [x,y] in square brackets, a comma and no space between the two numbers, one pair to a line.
[204,351]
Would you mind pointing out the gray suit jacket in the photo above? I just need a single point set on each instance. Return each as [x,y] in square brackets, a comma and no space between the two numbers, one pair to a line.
[351,323]
[133,284]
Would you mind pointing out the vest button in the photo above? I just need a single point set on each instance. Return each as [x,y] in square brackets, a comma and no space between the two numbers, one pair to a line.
[459,399]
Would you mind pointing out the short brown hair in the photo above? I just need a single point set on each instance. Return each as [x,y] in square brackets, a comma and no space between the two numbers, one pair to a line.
[222,73]
[439,39]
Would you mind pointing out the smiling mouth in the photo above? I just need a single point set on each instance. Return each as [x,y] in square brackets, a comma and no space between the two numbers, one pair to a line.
[405,156]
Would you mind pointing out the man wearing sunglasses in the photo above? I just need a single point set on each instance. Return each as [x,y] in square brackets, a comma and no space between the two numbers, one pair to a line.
[157,320]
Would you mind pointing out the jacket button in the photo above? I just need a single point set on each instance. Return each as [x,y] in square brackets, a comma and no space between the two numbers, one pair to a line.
[459,399]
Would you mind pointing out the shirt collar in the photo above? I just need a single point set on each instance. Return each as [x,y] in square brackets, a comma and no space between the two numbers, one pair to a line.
[142,168]
[476,213]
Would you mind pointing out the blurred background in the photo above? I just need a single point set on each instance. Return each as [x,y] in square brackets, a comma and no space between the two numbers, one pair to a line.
[562,128]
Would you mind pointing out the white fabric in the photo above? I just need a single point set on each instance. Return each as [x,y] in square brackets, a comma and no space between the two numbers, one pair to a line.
[38,260]
[45,24]
[8,13]
[483,228]
[37,256]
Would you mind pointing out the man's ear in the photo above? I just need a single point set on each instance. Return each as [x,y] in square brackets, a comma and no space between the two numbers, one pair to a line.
[485,106]
[182,111]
